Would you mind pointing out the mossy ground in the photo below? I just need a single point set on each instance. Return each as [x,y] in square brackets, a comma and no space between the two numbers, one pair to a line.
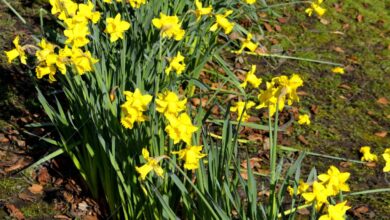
[348,115]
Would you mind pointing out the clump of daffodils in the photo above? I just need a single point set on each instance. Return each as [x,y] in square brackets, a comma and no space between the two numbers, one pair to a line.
[319,192]
[134,107]
[280,90]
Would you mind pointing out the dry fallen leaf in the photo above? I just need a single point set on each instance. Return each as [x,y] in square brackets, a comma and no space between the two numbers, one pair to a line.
[381,134]
[303,140]
[383,101]
[21,163]
[36,189]
[282,20]
[26,196]
[268,27]
[359,18]
[370,164]
[14,212]
[43,176]
[62,217]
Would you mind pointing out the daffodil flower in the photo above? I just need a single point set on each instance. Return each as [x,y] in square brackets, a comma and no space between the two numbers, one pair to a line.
[338,70]
[168,103]
[170,26]
[239,108]
[367,155]
[316,7]
[17,52]
[191,155]
[150,165]
[116,27]
[201,11]
[223,22]
[386,157]
[319,195]
[247,43]
[251,78]
[336,212]
[180,128]
[335,180]
[176,63]
[304,119]
[133,108]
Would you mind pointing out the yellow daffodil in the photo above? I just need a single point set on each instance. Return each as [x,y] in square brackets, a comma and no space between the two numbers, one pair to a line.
[386,157]
[77,35]
[137,3]
[115,27]
[250,1]
[269,100]
[367,155]
[335,181]
[239,108]
[83,61]
[251,78]
[169,26]
[302,187]
[319,195]
[43,70]
[304,119]
[110,1]
[17,52]
[168,103]
[336,212]
[63,8]
[191,155]
[150,165]
[176,63]
[201,11]
[247,43]
[338,70]
[180,128]
[223,22]
[133,108]
[86,11]
[288,87]
[316,7]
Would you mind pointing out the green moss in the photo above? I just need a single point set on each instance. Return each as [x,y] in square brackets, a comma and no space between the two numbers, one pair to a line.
[38,210]
[11,186]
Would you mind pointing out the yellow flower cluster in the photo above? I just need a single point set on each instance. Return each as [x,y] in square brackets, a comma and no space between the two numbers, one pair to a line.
[133,108]
[169,26]
[328,184]
[370,157]
[316,7]
[176,63]
[133,3]
[278,91]
[336,212]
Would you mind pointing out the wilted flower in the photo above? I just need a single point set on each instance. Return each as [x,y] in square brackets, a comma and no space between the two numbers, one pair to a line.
[115,27]
[367,155]
[191,155]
